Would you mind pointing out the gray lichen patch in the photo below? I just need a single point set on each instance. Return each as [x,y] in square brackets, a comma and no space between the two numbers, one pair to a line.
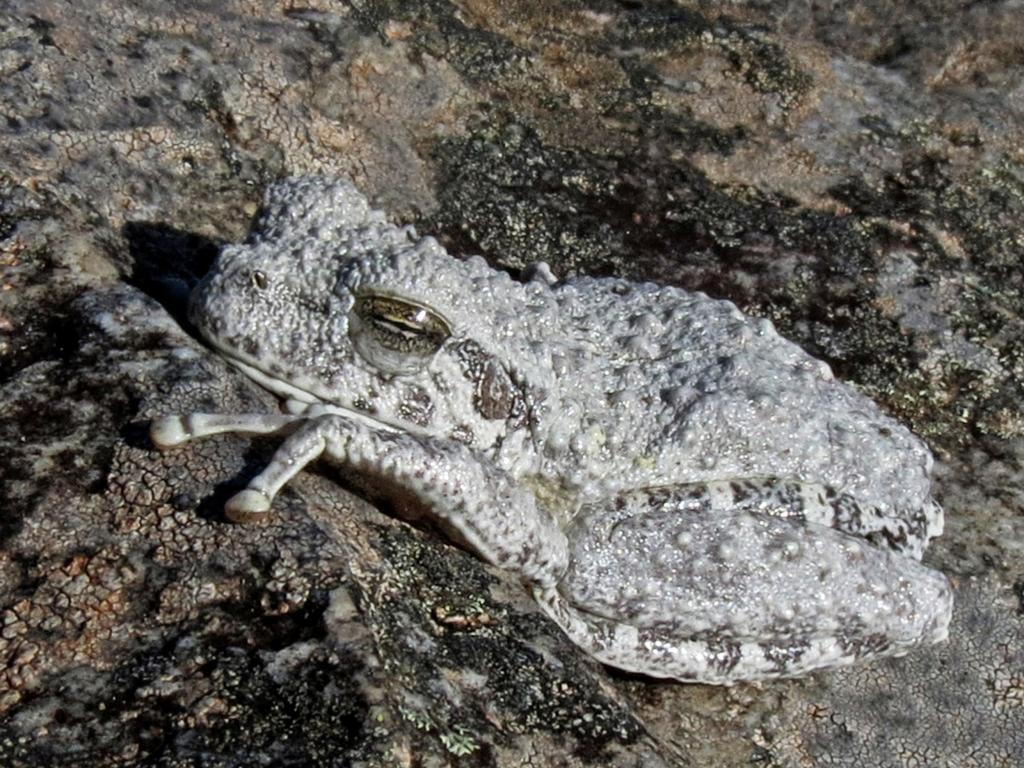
[465,659]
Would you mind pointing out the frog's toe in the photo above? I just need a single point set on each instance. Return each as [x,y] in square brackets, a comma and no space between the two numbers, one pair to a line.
[169,432]
[247,506]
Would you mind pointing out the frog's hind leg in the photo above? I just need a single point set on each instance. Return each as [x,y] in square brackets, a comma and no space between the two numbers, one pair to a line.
[811,502]
[737,594]
[708,660]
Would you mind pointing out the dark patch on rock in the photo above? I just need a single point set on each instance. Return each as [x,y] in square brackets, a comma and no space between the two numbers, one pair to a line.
[166,262]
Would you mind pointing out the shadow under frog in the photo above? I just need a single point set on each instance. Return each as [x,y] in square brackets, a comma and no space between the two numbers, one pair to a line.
[688,494]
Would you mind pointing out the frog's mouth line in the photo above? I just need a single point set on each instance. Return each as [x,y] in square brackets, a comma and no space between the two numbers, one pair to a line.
[300,402]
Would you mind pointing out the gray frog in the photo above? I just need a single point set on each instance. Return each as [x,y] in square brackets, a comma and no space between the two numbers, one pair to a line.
[688,494]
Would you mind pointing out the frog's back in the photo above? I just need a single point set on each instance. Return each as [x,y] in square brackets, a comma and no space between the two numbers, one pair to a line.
[685,388]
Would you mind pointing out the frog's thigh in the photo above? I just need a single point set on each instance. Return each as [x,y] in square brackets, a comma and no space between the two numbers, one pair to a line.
[738,595]
[812,502]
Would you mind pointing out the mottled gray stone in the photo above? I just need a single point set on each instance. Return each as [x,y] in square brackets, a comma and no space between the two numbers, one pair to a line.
[856,177]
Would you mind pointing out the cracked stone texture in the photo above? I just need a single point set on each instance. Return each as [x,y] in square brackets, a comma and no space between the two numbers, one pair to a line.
[853,171]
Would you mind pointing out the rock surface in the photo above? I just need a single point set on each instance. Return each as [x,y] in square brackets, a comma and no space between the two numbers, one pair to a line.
[853,172]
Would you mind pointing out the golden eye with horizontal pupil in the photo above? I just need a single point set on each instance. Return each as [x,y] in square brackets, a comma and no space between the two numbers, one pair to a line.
[395,335]
[259,279]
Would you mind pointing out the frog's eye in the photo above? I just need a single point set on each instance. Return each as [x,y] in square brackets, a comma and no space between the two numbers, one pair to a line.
[394,335]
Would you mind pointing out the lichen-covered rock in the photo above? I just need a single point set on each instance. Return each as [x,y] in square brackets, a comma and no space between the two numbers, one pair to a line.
[854,177]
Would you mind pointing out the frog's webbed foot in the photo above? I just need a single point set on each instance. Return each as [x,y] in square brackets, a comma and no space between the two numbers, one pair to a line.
[737,595]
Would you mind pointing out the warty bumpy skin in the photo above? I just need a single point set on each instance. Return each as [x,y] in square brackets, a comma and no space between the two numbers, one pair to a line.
[688,494]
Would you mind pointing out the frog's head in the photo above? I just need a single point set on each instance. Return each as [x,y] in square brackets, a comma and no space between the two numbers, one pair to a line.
[328,303]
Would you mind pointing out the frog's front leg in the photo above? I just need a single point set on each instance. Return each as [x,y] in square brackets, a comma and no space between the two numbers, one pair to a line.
[670,591]
[483,505]
[171,431]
